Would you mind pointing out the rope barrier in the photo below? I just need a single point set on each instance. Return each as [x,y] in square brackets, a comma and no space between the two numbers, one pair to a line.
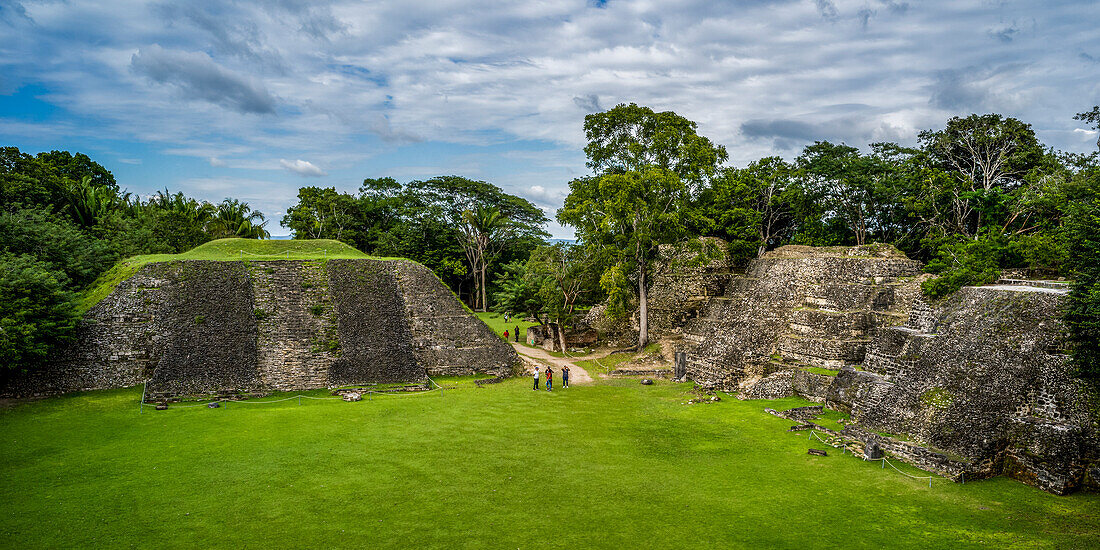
[885,462]
[299,397]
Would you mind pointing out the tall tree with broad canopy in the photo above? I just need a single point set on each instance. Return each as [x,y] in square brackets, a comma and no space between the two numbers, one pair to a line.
[987,156]
[646,166]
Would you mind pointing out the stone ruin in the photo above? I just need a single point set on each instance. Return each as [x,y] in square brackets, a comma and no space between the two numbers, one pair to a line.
[977,383]
[189,328]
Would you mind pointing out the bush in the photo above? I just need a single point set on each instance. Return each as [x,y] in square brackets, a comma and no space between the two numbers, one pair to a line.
[963,263]
[36,312]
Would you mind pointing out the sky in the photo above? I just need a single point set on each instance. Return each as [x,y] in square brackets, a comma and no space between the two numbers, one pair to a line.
[256,99]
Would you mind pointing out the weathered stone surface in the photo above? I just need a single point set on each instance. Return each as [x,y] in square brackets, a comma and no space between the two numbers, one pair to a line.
[798,306]
[817,452]
[872,451]
[647,382]
[209,346]
[226,328]
[977,382]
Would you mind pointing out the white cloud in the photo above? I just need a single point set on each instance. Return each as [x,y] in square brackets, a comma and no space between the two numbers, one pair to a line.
[240,85]
[302,168]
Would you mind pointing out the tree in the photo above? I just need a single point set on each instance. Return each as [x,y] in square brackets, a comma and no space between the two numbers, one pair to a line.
[645,165]
[483,232]
[36,311]
[850,184]
[470,212]
[986,155]
[563,273]
[628,215]
[71,255]
[233,218]
[632,138]
[321,213]
[1082,315]
[754,205]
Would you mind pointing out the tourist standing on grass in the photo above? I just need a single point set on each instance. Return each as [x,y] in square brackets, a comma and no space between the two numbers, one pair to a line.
[505,335]
[536,379]
[564,377]
[517,333]
[549,379]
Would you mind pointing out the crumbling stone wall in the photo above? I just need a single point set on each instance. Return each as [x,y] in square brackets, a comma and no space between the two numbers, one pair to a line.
[297,338]
[988,384]
[798,307]
[210,343]
[203,327]
[442,333]
[977,383]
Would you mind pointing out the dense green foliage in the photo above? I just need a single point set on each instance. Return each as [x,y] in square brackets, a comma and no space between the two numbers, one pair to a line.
[464,230]
[613,465]
[1083,314]
[64,221]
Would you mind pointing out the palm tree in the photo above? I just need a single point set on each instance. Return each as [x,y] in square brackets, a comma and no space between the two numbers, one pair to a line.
[89,202]
[233,218]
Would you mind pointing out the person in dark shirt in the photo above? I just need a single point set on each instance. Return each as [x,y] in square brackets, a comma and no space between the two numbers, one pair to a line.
[517,333]
[565,377]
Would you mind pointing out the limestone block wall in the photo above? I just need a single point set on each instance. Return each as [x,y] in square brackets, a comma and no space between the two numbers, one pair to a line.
[798,307]
[209,344]
[375,343]
[297,339]
[444,334]
[222,328]
[984,385]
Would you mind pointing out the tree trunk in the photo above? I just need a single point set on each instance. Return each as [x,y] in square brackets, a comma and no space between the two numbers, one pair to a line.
[643,308]
[561,335]
[484,295]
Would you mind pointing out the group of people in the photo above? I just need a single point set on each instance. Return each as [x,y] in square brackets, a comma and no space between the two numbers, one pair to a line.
[516,333]
[549,373]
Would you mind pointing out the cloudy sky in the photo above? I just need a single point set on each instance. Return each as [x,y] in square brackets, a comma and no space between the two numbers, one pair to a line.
[255,99]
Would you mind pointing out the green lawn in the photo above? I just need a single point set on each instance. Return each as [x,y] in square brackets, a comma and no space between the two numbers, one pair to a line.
[221,250]
[612,465]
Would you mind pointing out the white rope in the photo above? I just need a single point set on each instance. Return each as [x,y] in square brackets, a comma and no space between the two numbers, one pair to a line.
[293,397]
[888,463]
[270,401]
[883,459]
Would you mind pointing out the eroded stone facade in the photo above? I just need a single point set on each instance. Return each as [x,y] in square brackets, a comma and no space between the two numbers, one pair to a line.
[974,385]
[202,328]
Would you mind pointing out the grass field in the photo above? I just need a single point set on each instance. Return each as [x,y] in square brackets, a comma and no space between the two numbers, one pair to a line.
[612,465]
[221,250]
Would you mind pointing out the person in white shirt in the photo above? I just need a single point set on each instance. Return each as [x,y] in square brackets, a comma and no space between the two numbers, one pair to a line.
[536,379]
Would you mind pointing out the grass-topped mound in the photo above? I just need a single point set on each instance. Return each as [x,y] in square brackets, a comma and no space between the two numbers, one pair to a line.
[221,250]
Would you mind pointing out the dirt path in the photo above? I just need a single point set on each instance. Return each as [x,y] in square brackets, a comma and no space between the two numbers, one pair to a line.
[577,375]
